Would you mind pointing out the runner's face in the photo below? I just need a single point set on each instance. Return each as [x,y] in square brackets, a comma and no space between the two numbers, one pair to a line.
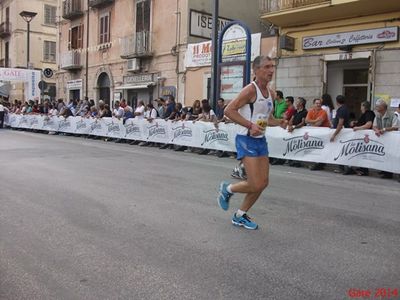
[266,70]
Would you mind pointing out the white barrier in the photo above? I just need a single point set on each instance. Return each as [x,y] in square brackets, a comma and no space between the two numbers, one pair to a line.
[359,149]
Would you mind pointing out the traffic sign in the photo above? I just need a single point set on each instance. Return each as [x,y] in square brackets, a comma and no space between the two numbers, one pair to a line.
[42,85]
[48,73]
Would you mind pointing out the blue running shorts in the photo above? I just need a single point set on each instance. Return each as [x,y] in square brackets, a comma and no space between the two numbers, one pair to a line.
[251,146]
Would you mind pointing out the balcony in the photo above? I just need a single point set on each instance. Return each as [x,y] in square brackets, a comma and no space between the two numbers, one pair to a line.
[286,13]
[71,60]
[72,9]
[5,63]
[137,45]
[5,29]
[99,3]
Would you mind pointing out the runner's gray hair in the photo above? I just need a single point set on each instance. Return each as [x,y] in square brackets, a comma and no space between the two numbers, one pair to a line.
[258,61]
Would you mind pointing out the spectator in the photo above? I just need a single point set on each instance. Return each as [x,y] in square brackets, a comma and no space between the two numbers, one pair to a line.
[176,114]
[316,116]
[139,111]
[298,120]
[340,121]
[364,122]
[161,107]
[196,110]
[2,114]
[150,113]
[83,108]
[219,111]
[207,114]
[118,111]
[128,113]
[101,109]
[397,112]
[123,103]
[384,121]
[280,105]
[170,106]
[290,111]
[327,106]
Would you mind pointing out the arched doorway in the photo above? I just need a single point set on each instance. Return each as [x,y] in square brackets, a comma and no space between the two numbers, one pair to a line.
[103,82]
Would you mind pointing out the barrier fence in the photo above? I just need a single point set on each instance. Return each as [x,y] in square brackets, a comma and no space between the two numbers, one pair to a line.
[359,149]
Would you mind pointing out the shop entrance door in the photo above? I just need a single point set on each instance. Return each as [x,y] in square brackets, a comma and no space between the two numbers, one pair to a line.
[350,79]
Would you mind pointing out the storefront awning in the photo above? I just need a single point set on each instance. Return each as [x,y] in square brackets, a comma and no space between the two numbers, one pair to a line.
[144,85]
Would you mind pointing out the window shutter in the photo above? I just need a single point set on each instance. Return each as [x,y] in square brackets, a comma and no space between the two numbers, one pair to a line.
[69,38]
[53,50]
[80,37]
[101,30]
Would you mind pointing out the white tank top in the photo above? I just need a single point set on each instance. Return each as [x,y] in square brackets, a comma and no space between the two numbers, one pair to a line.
[263,107]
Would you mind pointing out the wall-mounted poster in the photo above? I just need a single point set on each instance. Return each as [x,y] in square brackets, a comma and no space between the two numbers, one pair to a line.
[232,80]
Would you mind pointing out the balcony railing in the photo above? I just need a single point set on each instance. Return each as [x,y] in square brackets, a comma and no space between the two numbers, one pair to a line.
[71,60]
[5,63]
[72,9]
[99,3]
[5,29]
[271,6]
[137,45]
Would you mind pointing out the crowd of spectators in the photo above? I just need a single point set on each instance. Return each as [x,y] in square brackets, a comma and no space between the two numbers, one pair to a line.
[293,112]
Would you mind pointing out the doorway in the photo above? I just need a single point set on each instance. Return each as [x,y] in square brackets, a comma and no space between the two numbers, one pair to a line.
[103,82]
[350,79]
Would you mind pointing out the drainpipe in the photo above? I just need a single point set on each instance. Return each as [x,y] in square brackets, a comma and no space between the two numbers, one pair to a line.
[87,52]
[177,42]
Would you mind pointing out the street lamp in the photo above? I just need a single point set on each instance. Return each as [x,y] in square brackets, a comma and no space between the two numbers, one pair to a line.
[27,16]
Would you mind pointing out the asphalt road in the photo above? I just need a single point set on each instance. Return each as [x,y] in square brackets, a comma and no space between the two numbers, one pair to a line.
[85,219]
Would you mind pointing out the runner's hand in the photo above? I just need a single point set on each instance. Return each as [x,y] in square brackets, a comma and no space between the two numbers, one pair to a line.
[256,130]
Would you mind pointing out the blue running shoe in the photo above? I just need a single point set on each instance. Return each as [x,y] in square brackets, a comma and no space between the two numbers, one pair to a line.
[244,221]
[224,196]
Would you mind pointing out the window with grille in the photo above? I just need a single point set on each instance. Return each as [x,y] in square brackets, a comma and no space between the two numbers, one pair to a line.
[104,30]
[50,14]
[49,51]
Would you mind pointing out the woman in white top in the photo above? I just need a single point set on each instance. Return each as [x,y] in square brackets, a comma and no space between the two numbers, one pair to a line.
[327,106]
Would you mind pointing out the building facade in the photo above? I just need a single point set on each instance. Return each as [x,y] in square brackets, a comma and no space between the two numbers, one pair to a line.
[133,49]
[43,38]
[348,47]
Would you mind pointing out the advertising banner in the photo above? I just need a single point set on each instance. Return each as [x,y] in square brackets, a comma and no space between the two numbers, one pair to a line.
[354,148]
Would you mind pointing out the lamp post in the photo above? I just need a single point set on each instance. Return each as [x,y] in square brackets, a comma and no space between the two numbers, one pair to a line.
[27,16]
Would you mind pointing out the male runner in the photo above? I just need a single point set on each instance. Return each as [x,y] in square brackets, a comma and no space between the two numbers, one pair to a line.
[253,110]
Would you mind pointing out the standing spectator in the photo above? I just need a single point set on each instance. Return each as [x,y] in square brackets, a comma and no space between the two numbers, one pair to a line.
[139,111]
[298,120]
[161,107]
[384,121]
[128,113]
[118,111]
[280,105]
[123,103]
[196,109]
[219,111]
[342,117]
[364,122]
[340,121]
[327,106]
[290,111]
[397,112]
[2,114]
[170,106]
[316,116]
[150,113]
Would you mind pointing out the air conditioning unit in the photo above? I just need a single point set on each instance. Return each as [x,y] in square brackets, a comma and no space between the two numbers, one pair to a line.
[134,64]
